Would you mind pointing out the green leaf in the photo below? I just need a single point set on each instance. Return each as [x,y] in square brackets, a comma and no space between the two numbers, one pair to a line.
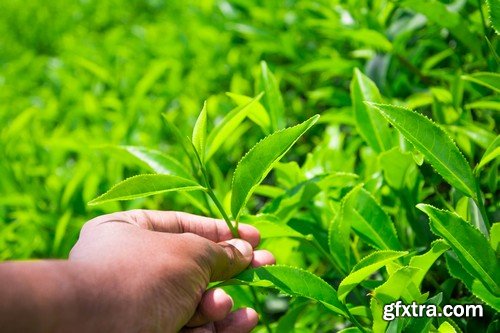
[226,127]
[495,236]
[269,226]
[426,260]
[434,143]
[371,125]
[474,285]
[272,100]
[442,15]
[486,79]
[390,291]
[199,138]
[145,185]
[339,237]
[370,221]
[469,244]
[157,161]
[294,282]
[422,324]
[257,114]
[491,153]
[446,327]
[494,14]
[396,166]
[366,267]
[258,162]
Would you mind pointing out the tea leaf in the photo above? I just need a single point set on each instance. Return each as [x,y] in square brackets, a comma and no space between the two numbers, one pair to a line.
[364,268]
[200,132]
[440,14]
[494,14]
[257,113]
[471,247]
[145,185]
[390,291]
[371,125]
[157,161]
[486,79]
[434,143]
[294,282]
[446,327]
[495,236]
[370,221]
[426,260]
[227,126]
[258,162]
[272,100]
[491,153]
[474,285]
[339,237]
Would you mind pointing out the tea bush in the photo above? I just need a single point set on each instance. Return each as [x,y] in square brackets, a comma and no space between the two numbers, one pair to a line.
[391,194]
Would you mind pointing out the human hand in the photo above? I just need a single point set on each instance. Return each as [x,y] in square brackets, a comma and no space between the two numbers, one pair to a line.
[157,266]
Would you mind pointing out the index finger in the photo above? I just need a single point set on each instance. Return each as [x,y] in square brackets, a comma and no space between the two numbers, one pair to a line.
[179,222]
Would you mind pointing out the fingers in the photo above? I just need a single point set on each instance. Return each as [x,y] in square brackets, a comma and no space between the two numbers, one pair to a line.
[215,305]
[241,321]
[180,222]
[229,258]
[262,257]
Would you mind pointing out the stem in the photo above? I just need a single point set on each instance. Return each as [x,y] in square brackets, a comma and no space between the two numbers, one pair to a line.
[355,321]
[482,208]
[210,191]
[480,8]
[327,255]
[234,230]
[259,309]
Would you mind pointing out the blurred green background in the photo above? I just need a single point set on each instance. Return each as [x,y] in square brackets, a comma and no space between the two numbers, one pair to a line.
[79,76]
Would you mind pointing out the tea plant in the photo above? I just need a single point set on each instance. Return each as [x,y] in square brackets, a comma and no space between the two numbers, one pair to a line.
[391,195]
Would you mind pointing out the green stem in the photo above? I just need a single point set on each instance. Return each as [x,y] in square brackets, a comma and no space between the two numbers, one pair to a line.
[259,309]
[234,229]
[355,321]
[480,8]
[482,208]
[327,255]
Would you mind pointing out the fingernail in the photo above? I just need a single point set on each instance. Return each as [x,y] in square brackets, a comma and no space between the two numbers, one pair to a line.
[244,247]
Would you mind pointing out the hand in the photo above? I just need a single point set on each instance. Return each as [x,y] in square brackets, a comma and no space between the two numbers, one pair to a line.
[157,266]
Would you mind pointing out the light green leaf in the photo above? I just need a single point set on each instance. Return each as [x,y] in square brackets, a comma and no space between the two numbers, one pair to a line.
[257,114]
[426,260]
[157,161]
[339,239]
[370,221]
[494,14]
[486,79]
[227,126]
[199,138]
[269,226]
[371,125]
[434,143]
[145,185]
[259,161]
[474,285]
[363,269]
[442,15]
[294,282]
[390,291]
[272,100]
[396,166]
[491,153]
[471,247]
[495,236]
[446,327]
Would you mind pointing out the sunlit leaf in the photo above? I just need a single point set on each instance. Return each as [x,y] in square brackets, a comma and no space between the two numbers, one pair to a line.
[258,162]
[480,259]
[434,143]
[145,185]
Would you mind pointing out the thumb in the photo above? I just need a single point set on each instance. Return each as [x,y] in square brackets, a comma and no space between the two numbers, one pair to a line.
[231,257]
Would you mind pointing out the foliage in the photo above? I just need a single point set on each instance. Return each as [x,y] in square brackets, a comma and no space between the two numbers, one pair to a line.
[391,194]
